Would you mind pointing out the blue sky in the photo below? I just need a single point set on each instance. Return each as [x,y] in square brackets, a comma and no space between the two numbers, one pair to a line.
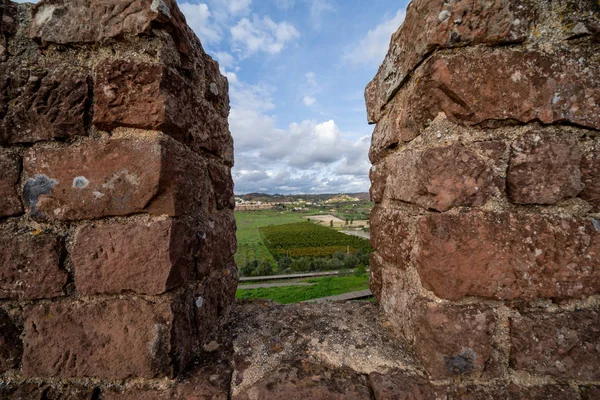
[297,71]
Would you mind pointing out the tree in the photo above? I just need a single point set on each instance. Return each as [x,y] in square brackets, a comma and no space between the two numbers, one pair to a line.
[346,221]
[351,221]
[331,224]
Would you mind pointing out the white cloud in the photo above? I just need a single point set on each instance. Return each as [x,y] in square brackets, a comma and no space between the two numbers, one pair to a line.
[309,101]
[371,50]
[225,59]
[318,8]
[262,35]
[307,156]
[238,6]
[199,19]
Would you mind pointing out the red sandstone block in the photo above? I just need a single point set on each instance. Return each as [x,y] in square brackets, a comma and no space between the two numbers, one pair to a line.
[402,386]
[563,345]
[142,257]
[471,89]
[107,339]
[376,275]
[440,178]
[590,170]
[11,347]
[508,256]
[455,340]
[435,24]
[544,168]
[42,103]
[222,185]
[118,176]
[378,176]
[30,266]
[217,242]
[52,22]
[390,235]
[10,171]
[148,96]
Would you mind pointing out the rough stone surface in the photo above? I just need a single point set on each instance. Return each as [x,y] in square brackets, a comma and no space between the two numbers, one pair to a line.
[390,235]
[508,256]
[205,383]
[564,345]
[42,102]
[97,22]
[63,339]
[32,391]
[590,170]
[30,266]
[438,24]
[10,172]
[147,96]
[323,348]
[222,185]
[544,168]
[217,245]
[378,176]
[11,347]
[590,392]
[118,176]
[401,386]
[440,178]
[490,87]
[455,340]
[147,258]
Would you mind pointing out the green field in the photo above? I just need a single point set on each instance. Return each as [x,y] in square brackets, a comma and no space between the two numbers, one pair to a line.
[250,243]
[305,239]
[324,287]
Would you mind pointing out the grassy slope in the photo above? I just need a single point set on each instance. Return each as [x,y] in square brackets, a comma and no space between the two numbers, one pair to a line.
[250,244]
[329,286]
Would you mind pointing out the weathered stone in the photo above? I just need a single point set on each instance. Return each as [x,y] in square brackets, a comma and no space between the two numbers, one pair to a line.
[222,185]
[217,244]
[147,96]
[118,176]
[30,266]
[579,18]
[455,340]
[32,391]
[590,171]
[8,22]
[110,339]
[376,274]
[42,102]
[11,347]
[401,386]
[213,299]
[440,178]
[378,177]
[307,381]
[390,235]
[52,21]
[508,256]
[147,258]
[564,345]
[511,391]
[544,168]
[10,171]
[437,24]
[590,392]
[205,383]
[488,87]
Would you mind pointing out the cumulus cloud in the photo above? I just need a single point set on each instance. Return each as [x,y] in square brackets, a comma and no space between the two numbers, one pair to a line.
[309,101]
[371,50]
[238,6]
[307,156]
[198,17]
[262,35]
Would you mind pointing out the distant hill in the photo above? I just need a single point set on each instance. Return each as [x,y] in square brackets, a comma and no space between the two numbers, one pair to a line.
[274,198]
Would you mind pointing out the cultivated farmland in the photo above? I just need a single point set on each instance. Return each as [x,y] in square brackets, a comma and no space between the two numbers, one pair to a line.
[305,239]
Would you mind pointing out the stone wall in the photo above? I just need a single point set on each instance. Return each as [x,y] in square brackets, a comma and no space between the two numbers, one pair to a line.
[486,178]
[116,199]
